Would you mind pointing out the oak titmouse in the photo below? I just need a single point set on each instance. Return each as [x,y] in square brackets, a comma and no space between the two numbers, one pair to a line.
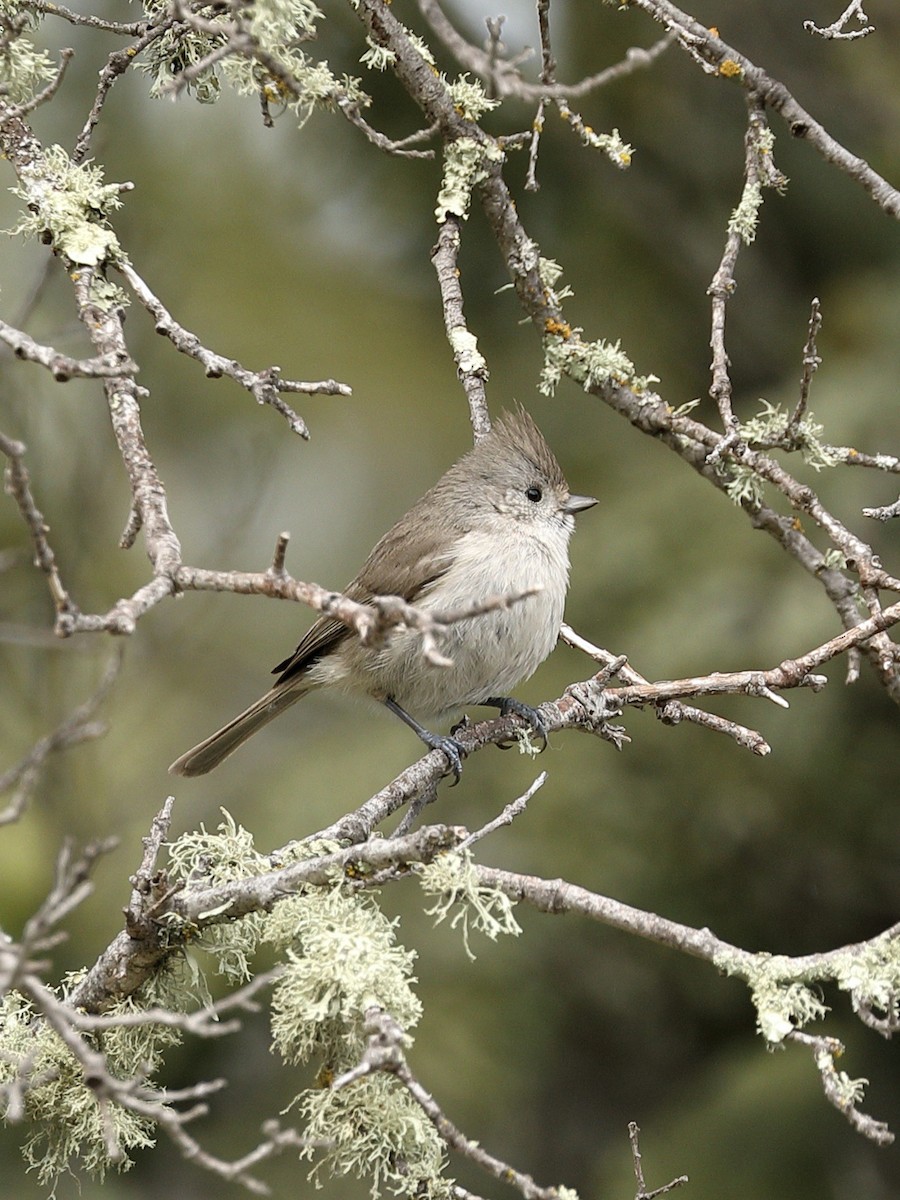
[496,524]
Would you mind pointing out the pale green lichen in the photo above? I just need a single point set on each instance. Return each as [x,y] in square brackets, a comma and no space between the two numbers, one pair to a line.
[616,149]
[276,28]
[373,1129]
[550,273]
[344,960]
[23,68]
[871,975]
[377,58]
[469,98]
[782,1007]
[835,560]
[744,486]
[782,1001]
[465,347]
[770,427]
[590,364]
[744,219]
[70,202]
[462,898]
[420,46]
[464,168]
[218,858]
[69,1129]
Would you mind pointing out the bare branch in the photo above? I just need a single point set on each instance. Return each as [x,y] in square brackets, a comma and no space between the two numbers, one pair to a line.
[470,364]
[837,29]
[512,810]
[117,64]
[52,9]
[384,1052]
[76,728]
[636,1158]
[61,366]
[18,485]
[811,364]
[264,385]
[741,228]
[717,57]
[885,513]
[840,1090]
[401,148]
[501,76]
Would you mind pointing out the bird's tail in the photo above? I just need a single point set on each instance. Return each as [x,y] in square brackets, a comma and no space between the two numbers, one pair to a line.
[209,753]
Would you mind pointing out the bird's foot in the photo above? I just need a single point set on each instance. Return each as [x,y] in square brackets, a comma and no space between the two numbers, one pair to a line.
[511,707]
[452,750]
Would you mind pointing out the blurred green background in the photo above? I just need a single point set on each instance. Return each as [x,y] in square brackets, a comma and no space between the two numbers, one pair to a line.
[311,250]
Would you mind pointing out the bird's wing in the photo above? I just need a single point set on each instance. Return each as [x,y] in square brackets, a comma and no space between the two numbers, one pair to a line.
[405,561]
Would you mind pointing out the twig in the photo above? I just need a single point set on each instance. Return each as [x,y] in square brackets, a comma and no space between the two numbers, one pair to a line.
[116,65]
[642,1193]
[851,457]
[400,148]
[840,1090]
[71,886]
[52,9]
[723,285]
[384,1052]
[548,70]
[136,953]
[885,513]
[670,712]
[501,76]
[61,366]
[76,728]
[18,485]
[512,810]
[264,385]
[470,363]
[811,364]
[836,29]
[46,93]
[719,58]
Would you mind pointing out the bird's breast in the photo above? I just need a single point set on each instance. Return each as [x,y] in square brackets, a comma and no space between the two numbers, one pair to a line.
[492,652]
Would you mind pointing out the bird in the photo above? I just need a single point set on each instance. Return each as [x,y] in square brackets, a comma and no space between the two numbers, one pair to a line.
[496,524]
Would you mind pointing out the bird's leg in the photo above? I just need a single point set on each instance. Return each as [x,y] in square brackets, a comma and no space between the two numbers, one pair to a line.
[450,747]
[508,706]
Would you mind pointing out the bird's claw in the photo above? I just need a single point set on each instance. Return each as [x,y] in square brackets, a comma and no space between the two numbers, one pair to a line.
[454,752]
[511,707]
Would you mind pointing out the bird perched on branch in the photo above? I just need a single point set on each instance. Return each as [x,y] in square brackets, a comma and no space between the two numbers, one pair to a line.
[491,539]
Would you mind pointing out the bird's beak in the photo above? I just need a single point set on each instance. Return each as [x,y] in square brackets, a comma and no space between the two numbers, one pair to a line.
[576,504]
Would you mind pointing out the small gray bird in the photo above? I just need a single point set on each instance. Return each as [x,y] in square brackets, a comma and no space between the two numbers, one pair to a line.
[496,524]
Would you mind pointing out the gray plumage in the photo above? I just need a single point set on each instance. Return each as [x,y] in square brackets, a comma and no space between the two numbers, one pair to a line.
[496,524]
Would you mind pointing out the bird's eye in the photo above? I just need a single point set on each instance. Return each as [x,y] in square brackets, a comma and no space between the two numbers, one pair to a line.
[534,494]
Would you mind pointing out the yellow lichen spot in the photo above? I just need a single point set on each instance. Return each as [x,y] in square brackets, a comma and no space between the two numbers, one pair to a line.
[797,525]
[729,68]
[557,328]
[851,453]
[714,30]
[588,129]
